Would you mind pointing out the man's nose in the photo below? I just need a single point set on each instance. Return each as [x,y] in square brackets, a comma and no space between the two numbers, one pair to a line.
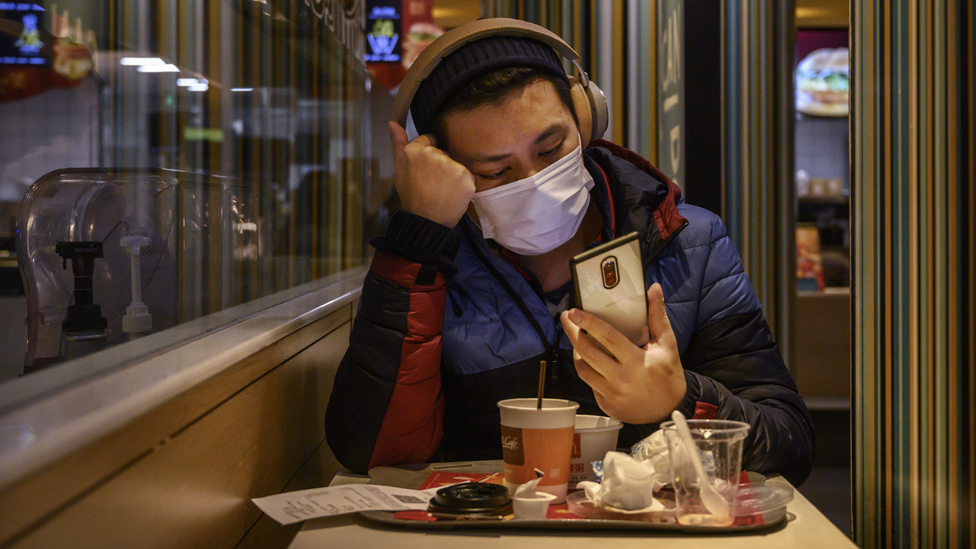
[531,170]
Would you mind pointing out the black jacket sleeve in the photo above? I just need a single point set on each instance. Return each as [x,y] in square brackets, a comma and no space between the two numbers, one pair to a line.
[752,385]
[732,364]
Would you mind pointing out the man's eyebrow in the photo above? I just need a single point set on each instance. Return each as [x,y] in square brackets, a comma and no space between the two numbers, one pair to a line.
[546,134]
[489,159]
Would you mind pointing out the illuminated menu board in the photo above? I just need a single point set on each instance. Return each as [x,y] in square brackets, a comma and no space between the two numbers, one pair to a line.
[24,47]
[383,31]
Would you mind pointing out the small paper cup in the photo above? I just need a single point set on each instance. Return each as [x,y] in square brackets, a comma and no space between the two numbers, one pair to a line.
[538,439]
[532,507]
[594,436]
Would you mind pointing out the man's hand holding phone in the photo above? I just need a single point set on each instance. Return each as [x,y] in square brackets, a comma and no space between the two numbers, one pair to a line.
[430,183]
[635,385]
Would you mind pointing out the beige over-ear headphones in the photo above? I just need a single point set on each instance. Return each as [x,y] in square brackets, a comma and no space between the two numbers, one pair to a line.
[588,100]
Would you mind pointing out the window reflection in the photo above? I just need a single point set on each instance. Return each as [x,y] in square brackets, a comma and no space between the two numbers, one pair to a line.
[233,135]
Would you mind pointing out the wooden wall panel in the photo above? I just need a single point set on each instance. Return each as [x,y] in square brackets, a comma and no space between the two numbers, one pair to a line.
[317,471]
[823,348]
[182,475]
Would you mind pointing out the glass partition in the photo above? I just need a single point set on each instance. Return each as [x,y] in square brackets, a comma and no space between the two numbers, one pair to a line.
[214,152]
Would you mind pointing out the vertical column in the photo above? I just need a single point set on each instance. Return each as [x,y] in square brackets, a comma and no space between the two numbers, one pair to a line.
[757,152]
[913,224]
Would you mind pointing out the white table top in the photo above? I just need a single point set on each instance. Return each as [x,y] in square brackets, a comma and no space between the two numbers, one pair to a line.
[806,527]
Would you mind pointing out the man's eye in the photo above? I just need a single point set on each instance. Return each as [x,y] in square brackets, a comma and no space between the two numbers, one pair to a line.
[494,176]
[552,151]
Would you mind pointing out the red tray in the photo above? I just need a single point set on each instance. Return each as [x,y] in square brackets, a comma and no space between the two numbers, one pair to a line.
[558,517]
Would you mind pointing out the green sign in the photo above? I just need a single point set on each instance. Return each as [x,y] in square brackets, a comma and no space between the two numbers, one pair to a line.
[215,135]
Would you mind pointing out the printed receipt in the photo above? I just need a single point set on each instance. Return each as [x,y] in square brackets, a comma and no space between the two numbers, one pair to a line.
[294,507]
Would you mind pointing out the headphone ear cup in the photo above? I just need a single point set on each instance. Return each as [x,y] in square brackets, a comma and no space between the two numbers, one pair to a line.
[581,104]
[591,110]
[599,111]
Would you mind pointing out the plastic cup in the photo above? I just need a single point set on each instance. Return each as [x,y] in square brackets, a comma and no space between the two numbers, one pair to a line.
[719,443]
[593,438]
[538,439]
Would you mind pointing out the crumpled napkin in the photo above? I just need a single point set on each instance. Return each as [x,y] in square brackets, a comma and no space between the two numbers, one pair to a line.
[654,449]
[627,484]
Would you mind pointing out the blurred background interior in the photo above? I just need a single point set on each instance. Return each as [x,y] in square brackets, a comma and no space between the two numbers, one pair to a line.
[255,160]
[161,162]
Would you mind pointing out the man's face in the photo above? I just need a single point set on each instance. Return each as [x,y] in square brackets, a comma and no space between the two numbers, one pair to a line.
[513,140]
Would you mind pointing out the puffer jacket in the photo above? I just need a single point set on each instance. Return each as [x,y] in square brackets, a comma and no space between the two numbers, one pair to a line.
[447,326]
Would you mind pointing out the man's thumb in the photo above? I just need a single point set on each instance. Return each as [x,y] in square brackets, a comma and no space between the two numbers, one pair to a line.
[657,317]
[398,138]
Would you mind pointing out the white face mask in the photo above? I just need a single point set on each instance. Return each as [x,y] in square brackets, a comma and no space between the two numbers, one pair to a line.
[538,214]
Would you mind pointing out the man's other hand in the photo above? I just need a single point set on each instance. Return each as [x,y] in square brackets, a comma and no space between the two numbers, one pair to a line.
[632,384]
[430,183]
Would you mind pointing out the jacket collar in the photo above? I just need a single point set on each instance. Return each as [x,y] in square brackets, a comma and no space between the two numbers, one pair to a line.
[643,199]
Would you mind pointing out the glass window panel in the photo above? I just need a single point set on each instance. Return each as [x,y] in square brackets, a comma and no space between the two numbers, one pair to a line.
[233,135]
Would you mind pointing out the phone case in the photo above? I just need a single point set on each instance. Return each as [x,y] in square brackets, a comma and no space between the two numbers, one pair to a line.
[609,282]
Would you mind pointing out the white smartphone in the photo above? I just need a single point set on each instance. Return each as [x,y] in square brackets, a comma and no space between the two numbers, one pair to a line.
[609,281]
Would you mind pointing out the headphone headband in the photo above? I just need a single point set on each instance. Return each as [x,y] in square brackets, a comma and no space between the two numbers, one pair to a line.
[454,39]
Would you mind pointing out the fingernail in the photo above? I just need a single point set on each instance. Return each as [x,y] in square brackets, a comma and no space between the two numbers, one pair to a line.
[575,315]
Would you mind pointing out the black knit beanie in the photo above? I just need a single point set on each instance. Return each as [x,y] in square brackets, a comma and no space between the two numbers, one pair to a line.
[473,60]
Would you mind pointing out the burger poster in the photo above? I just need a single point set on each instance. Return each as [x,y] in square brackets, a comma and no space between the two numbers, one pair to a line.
[823,73]
[419,29]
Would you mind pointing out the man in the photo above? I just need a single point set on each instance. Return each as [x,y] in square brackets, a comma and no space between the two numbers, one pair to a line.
[470,287]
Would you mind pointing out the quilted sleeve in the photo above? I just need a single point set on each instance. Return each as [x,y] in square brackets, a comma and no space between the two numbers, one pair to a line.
[386,405]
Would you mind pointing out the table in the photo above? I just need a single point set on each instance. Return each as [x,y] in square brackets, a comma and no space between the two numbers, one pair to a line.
[806,527]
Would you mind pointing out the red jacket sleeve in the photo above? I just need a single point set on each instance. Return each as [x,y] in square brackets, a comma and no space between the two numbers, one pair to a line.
[412,425]
[386,405]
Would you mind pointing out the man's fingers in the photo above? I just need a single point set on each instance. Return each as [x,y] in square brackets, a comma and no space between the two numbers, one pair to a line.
[593,352]
[590,375]
[426,140]
[615,342]
[657,317]
[583,345]
[398,138]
